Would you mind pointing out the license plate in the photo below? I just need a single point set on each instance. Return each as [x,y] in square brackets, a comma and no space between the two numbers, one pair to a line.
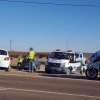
[57,69]
[54,68]
[26,66]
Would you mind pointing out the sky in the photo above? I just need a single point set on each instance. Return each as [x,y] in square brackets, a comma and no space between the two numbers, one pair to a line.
[50,27]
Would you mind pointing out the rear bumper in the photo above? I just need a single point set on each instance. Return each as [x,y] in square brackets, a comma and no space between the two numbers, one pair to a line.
[4,64]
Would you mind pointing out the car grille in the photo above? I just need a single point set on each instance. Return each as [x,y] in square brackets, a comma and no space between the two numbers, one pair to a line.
[55,64]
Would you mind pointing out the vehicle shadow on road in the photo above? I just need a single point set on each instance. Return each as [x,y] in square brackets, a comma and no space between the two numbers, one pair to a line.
[73,76]
[26,70]
[39,71]
[14,67]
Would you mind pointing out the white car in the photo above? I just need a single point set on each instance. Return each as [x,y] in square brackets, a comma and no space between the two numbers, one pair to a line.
[5,60]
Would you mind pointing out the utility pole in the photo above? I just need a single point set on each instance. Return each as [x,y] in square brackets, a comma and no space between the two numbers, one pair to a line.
[67,44]
[10,44]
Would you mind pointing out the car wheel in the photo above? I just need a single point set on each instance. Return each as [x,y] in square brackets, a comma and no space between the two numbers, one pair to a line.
[68,71]
[35,68]
[8,69]
[20,68]
[91,73]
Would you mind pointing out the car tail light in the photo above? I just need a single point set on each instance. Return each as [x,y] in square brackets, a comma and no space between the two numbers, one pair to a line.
[6,58]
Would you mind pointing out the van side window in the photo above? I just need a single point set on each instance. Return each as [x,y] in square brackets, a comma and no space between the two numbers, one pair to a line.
[77,55]
[81,55]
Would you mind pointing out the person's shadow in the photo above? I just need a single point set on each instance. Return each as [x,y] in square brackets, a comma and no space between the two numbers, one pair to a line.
[14,67]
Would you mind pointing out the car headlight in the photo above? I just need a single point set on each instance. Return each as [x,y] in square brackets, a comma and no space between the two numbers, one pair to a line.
[62,65]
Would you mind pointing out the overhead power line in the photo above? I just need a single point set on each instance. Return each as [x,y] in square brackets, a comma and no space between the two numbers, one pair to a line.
[56,4]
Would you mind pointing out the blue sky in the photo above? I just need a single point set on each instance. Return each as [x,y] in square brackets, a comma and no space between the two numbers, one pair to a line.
[48,27]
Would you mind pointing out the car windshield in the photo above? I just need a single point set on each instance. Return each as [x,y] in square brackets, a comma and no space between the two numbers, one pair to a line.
[61,55]
[94,56]
[3,52]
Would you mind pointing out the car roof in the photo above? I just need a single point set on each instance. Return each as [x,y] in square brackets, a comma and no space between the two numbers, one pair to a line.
[64,51]
[3,49]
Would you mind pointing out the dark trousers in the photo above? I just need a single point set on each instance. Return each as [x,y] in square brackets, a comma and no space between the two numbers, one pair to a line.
[31,66]
[19,64]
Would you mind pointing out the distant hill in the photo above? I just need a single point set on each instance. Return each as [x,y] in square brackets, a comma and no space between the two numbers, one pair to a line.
[87,55]
[39,54]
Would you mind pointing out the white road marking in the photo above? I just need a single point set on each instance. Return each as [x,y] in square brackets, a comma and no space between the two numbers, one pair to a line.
[50,77]
[2,89]
[48,92]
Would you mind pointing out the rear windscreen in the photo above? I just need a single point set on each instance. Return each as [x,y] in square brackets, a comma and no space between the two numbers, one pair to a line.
[3,52]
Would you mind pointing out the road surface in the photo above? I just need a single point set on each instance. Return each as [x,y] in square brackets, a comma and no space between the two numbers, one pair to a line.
[18,85]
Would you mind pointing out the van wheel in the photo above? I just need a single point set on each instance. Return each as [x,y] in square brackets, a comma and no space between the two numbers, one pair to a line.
[68,71]
[8,69]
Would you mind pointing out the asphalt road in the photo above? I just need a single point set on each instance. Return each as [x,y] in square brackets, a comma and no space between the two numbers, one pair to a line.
[18,85]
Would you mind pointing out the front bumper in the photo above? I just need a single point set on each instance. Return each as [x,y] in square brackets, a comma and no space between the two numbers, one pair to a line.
[53,68]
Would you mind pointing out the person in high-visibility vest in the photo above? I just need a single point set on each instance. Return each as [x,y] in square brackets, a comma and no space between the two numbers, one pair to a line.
[31,58]
[19,59]
[71,58]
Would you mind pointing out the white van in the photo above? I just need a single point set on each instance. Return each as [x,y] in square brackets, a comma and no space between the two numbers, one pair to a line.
[61,61]
[4,60]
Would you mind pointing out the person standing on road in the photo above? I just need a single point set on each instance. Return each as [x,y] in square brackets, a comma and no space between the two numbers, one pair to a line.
[19,59]
[31,59]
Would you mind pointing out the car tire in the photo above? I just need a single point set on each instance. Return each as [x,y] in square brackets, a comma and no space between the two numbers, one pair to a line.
[68,71]
[93,75]
[8,69]
[20,68]
[37,67]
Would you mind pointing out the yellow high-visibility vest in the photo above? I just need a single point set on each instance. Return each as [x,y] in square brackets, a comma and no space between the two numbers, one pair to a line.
[19,58]
[70,57]
[31,55]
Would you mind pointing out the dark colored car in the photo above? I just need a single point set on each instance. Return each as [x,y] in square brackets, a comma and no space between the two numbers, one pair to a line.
[24,64]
